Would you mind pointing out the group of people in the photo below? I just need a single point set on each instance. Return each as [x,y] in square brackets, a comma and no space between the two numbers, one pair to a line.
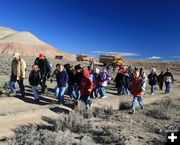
[133,81]
[83,83]
[160,79]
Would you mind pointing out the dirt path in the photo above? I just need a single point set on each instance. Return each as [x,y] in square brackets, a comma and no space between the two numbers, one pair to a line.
[15,112]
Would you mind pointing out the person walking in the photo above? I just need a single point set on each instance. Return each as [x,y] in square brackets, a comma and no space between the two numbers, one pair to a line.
[62,79]
[18,73]
[168,78]
[77,81]
[71,75]
[119,82]
[92,78]
[86,87]
[137,91]
[54,74]
[34,81]
[152,80]
[105,78]
[45,69]
[161,80]
[97,81]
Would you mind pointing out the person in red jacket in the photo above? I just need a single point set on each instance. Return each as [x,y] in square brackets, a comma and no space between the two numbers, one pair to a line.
[86,87]
[137,91]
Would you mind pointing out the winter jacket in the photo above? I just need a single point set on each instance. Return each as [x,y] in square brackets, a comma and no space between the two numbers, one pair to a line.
[71,77]
[104,79]
[44,66]
[62,78]
[152,79]
[77,78]
[119,80]
[86,85]
[160,78]
[97,78]
[136,89]
[168,77]
[144,82]
[18,69]
[34,78]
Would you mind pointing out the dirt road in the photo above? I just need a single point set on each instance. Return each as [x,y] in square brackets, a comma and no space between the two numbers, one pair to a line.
[17,111]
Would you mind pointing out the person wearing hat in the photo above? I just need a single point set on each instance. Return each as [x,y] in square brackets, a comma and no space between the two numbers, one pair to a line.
[168,78]
[18,73]
[45,69]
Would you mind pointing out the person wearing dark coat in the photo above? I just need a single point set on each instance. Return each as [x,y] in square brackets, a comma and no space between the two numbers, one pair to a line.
[119,82]
[62,79]
[152,80]
[77,81]
[161,80]
[168,78]
[34,81]
[71,75]
[45,69]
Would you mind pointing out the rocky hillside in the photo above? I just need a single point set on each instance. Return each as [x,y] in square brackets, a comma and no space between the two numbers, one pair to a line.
[27,44]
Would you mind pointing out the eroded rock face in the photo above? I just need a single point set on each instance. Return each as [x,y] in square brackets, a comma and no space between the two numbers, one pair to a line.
[27,44]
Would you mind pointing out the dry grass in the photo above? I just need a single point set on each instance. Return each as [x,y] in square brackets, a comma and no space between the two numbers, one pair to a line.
[124,106]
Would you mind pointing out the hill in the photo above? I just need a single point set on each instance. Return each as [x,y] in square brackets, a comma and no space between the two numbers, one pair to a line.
[27,44]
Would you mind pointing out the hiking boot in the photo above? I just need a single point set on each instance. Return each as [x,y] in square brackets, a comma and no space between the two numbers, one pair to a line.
[142,107]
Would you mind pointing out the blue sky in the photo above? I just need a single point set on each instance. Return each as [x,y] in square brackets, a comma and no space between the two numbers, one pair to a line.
[136,28]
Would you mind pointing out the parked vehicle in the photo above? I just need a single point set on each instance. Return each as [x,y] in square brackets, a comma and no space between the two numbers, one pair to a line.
[58,57]
[111,59]
[82,57]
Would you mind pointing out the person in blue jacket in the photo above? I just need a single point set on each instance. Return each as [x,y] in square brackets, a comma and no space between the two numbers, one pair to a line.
[62,79]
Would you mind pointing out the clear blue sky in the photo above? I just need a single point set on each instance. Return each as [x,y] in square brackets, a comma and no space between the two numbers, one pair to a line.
[145,27]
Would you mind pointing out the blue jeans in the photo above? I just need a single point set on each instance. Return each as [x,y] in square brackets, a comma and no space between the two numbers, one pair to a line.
[56,91]
[70,90]
[20,83]
[167,87]
[139,99]
[152,89]
[102,91]
[43,83]
[119,90]
[76,93]
[96,91]
[86,100]
[35,92]
[61,94]
[124,90]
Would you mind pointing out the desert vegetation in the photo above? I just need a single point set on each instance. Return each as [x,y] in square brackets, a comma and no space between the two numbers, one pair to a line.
[102,126]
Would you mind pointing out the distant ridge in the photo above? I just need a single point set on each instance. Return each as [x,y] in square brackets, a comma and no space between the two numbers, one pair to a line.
[27,44]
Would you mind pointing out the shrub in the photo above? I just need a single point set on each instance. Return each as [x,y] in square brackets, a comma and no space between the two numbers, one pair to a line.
[175,104]
[158,114]
[73,122]
[108,135]
[103,112]
[25,135]
[124,106]
[87,114]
